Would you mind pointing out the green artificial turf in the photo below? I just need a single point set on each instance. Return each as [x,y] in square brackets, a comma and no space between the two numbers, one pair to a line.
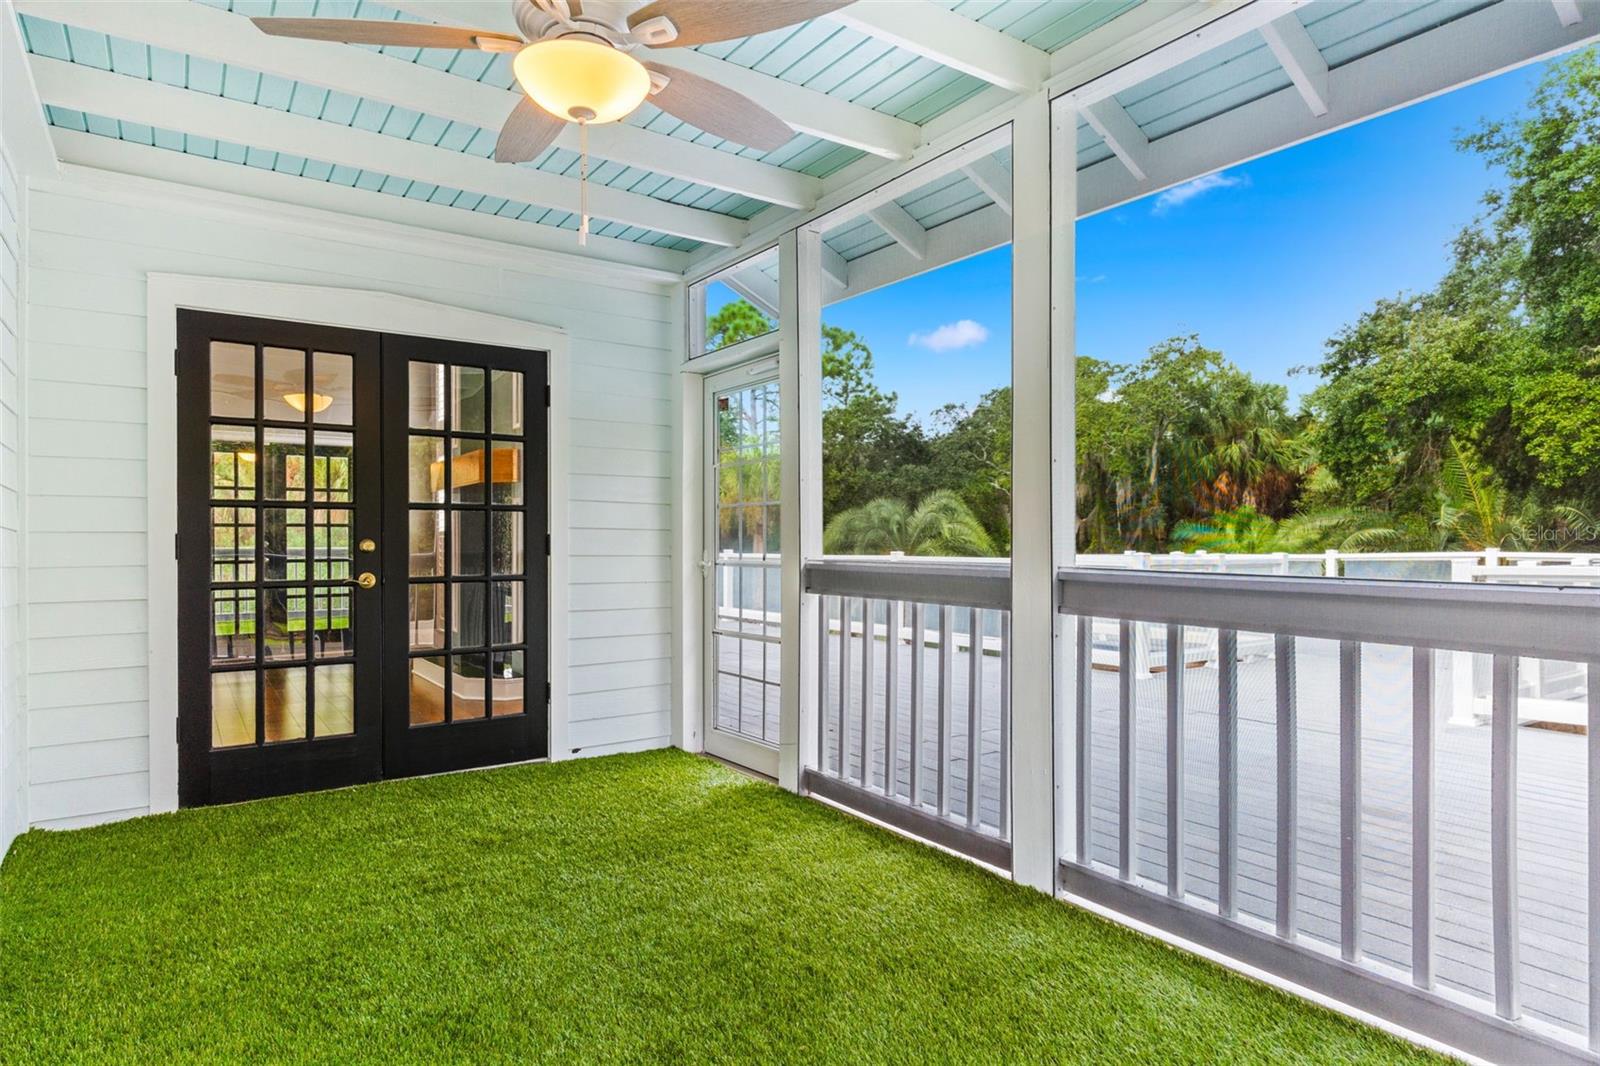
[643,907]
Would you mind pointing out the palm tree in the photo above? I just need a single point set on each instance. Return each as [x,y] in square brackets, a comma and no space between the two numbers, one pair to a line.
[1474,511]
[942,524]
[1245,531]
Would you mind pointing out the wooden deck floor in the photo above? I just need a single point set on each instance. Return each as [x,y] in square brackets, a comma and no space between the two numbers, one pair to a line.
[1552,807]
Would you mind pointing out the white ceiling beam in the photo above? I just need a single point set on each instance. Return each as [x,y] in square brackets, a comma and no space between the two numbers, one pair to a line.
[1121,134]
[1475,46]
[835,268]
[1568,12]
[906,231]
[972,233]
[755,287]
[1095,67]
[358,208]
[209,33]
[992,179]
[949,39]
[1300,58]
[151,103]
[806,110]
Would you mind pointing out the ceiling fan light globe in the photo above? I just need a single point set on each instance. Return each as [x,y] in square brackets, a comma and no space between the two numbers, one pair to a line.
[580,79]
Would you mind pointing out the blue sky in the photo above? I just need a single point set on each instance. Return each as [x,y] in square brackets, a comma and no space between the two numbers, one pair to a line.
[1264,261]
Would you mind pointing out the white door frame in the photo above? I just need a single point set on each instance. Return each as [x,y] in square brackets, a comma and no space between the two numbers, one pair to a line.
[753,755]
[378,312]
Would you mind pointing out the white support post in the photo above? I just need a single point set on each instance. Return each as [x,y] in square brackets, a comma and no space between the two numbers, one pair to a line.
[799,387]
[690,642]
[1033,616]
[1062,155]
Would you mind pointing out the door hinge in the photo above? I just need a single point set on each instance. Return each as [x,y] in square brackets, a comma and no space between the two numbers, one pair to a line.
[547,692]
[174,545]
[547,544]
[174,362]
[547,395]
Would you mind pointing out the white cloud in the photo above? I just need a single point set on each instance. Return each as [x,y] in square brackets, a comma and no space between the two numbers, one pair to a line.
[1179,195]
[951,336]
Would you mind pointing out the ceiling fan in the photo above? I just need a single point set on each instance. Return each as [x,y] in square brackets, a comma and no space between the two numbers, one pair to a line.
[574,61]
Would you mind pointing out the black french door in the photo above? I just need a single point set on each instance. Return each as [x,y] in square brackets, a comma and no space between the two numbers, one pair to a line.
[361,556]
[466,683]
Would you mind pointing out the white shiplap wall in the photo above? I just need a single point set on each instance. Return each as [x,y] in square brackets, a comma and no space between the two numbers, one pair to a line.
[88,710]
[13,738]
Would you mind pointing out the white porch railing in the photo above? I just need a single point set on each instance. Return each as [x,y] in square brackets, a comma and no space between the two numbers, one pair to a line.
[914,677]
[1251,887]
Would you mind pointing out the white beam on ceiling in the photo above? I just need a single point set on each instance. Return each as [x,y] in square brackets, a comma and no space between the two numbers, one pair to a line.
[1568,12]
[835,267]
[1475,46]
[757,287]
[151,103]
[906,231]
[105,158]
[992,179]
[195,29]
[1094,68]
[1121,134]
[972,233]
[949,39]
[806,110]
[1300,58]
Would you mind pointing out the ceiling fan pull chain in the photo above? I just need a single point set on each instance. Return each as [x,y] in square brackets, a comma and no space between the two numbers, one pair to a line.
[583,183]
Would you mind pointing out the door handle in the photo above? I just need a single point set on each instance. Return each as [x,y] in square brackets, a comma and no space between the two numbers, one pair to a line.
[366,579]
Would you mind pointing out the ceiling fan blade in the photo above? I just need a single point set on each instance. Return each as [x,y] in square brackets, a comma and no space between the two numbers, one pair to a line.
[705,21]
[378,31]
[527,132]
[719,110]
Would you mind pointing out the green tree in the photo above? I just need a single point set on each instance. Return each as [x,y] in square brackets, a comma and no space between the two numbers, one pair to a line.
[942,524]
[736,321]
[971,453]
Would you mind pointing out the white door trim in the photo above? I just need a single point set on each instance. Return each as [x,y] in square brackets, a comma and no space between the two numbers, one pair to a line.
[379,312]
[762,758]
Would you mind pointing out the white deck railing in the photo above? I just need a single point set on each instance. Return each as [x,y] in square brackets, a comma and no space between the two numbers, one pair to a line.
[1505,622]
[914,677]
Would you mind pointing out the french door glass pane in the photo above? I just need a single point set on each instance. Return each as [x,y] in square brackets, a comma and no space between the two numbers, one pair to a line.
[427,616]
[233,380]
[233,708]
[506,472]
[284,397]
[468,614]
[466,387]
[233,462]
[283,703]
[506,390]
[466,470]
[427,690]
[333,615]
[283,543]
[233,627]
[468,682]
[468,550]
[233,544]
[335,711]
[427,398]
[506,683]
[506,539]
[333,395]
[283,472]
[505,613]
[427,544]
[425,472]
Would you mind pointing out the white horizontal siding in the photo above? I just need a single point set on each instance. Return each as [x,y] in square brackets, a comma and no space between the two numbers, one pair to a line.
[13,722]
[86,471]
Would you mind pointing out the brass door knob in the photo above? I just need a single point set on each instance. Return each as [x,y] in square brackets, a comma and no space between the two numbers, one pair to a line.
[367,579]
[368,545]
